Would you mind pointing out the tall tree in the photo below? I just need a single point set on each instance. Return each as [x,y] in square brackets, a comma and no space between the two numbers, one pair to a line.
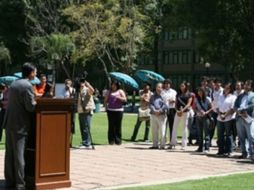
[5,58]
[12,28]
[108,30]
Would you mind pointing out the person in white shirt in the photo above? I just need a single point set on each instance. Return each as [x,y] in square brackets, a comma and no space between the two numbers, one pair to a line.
[224,120]
[217,92]
[169,95]
[69,92]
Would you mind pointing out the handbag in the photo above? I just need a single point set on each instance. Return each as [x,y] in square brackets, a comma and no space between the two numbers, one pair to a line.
[179,114]
[144,115]
[87,103]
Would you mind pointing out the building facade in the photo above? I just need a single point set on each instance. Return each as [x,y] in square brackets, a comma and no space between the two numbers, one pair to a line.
[179,60]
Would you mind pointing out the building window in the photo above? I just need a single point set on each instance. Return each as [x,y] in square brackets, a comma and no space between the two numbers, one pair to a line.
[175,57]
[173,35]
[166,36]
[166,57]
[185,56]
[180,57]
[171,61]
[144,60]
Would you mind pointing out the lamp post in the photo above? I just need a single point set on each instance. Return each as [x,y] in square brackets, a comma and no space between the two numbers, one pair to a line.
[207,66]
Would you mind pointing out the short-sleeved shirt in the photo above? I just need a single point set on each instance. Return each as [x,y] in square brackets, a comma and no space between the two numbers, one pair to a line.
[226,103]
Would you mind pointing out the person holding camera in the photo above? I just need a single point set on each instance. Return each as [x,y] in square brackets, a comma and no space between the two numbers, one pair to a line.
[114,105]
[85,107]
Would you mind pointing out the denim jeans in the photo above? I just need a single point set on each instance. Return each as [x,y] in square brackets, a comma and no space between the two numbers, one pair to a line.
[85,127]
[203,127]
[225,136]
[245,132]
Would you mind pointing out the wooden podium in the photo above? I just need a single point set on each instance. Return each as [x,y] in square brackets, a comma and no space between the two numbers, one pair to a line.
[48,150]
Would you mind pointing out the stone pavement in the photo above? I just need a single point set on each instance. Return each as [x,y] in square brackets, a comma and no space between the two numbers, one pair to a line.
[113,167]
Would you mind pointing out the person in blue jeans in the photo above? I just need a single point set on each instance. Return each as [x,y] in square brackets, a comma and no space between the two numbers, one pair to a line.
[85,107]
[203,108]
[244,107]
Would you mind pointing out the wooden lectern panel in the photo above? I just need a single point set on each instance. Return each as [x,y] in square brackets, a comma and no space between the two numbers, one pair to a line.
[52,160]
[53,147]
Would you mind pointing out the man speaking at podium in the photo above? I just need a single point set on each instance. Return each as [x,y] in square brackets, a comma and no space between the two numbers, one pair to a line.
[18,121]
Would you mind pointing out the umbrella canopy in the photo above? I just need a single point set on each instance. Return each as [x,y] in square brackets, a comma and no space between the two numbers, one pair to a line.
[36,80]
[7,80]
[148,76]
[125,79]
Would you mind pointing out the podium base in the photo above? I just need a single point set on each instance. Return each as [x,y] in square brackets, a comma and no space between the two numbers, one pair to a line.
[53,185]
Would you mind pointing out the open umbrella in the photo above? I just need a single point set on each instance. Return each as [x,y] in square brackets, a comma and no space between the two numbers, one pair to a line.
[148,76]
[125,79]
[7,80]
[36,80]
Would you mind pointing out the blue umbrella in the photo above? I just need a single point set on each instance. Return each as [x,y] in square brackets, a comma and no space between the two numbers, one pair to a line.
[36,80]
[148,76]
[7,80]
[125,79]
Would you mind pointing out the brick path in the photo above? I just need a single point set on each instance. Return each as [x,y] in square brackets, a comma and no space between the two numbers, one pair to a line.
[112,167]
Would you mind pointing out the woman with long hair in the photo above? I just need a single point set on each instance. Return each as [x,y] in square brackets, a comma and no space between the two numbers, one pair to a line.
[183,104]
[203,119]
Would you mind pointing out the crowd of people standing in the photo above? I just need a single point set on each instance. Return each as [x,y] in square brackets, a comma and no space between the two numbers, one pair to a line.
[229,108]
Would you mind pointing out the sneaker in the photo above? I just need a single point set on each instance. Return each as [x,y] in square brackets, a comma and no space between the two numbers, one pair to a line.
[162,147]
[206,151]
[182,148]
[85,147]
[229,155]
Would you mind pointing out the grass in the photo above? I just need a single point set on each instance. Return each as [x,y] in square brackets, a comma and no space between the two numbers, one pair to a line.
[100,126]
[99,129]
[231,182]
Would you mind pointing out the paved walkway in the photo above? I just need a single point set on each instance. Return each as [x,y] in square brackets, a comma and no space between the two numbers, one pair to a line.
[112,167]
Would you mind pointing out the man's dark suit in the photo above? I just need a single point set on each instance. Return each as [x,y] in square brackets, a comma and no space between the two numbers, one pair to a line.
[18,121]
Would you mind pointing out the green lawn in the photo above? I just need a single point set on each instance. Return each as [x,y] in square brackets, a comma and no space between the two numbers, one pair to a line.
[100,127]
[232,182]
